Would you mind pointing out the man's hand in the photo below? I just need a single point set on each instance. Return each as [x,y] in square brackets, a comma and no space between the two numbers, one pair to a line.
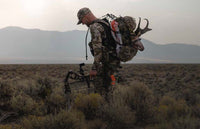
[93,73]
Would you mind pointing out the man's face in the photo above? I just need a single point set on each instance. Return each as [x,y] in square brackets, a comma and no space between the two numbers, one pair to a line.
[85,21]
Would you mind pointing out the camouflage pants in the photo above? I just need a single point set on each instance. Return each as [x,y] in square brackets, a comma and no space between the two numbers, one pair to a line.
[102,82]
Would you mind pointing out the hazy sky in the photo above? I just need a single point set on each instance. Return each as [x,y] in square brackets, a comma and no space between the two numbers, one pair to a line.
[172,21]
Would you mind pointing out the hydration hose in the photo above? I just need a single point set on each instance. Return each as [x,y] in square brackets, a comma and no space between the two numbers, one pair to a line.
[86,55]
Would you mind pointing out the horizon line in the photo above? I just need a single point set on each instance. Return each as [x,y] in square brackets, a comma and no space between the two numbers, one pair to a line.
[85,31]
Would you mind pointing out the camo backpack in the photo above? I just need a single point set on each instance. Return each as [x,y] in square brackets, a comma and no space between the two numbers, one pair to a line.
[122,31]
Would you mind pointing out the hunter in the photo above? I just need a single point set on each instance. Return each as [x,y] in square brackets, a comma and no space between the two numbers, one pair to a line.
[104,64]
[107,56]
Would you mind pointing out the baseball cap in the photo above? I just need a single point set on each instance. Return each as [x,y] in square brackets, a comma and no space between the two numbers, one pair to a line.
[81,13]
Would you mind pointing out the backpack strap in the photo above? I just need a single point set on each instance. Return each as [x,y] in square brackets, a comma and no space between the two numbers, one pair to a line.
[109,40]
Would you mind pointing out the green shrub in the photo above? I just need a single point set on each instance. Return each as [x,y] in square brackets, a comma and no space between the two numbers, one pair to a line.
[129,106]
[181,108]
[96,124]
[29,87]
[170,109]
[186,123]
[6,93]
[191,97]
[196,110]
[88,104]
[10,126]
[46,85]
[56,100]
[62,120]
[180,123]
[40,87]
[139,98]
[162,125]
[117,115]
[167,100]
[23,104]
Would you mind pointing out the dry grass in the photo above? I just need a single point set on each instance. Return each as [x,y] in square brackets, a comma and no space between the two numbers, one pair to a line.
[152,96]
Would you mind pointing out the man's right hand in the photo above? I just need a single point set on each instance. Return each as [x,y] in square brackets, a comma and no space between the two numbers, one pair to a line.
[93,73]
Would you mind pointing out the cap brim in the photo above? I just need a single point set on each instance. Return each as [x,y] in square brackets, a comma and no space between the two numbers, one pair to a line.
[79,22]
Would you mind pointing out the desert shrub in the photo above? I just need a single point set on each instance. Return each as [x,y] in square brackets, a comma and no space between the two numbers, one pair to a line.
[6,93]
[62,120]
[170,109]
[163,125]
[33,122]
[139,98]
[37,87]
[186,123]
[10,126]
[40,108]
[180,123]
[96,124]
[167,100]
[23,104]
[29,87]
[6,89]
[196,110]
[181,108]
[88,104]
[117,115]
[56,100]
[191,97]
[142,100]
[46,85]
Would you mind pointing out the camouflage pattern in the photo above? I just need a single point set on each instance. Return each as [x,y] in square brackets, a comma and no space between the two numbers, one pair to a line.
[127,25]
[81,13]
[127,53]
[105,64]
[130,23]
[97,33]
[102,84]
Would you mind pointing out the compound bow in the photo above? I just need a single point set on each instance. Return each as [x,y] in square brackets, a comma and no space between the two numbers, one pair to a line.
[78,77]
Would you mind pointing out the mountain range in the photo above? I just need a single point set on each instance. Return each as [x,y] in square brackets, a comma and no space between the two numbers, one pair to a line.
[32,46]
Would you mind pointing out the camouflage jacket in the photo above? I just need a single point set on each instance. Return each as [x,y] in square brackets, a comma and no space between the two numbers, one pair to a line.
[97,35]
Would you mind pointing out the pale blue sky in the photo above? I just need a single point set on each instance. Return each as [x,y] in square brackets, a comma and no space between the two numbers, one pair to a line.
[172,21]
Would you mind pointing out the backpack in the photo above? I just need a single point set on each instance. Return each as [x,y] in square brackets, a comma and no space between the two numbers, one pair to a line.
[121,31]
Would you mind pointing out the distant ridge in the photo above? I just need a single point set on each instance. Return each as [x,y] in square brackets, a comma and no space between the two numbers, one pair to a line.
[19,45]
[28,29]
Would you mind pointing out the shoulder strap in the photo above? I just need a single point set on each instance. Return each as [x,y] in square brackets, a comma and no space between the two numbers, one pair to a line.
[109,41]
